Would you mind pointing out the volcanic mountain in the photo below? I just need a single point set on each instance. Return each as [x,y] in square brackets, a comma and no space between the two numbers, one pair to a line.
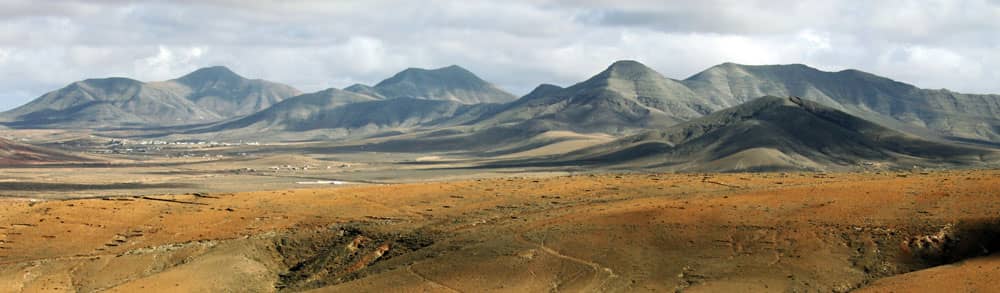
[294,111]
[340,113]
[882,100]
[625,96]
[206,95]
[228,94]
[773,133]
[108,102]
[452,83]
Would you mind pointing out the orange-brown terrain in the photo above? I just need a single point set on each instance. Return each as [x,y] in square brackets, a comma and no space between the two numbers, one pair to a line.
[878,232]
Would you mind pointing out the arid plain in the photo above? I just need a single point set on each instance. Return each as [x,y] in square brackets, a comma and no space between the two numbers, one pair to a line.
[795,231]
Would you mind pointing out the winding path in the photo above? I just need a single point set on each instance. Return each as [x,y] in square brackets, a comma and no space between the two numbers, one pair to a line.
[433,283]
[595,284]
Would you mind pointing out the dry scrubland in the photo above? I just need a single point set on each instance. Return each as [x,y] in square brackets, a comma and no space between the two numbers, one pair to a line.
[639,232]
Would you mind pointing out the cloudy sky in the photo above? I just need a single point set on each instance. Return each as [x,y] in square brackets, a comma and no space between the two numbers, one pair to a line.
[314,45]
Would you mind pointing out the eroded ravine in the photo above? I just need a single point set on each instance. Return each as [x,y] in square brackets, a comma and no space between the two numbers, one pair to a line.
[628,233]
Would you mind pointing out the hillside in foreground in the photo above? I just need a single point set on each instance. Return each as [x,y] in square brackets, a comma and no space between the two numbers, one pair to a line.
[727,232]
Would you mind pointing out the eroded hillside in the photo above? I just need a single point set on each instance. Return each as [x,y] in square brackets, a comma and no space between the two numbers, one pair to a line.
[641,232]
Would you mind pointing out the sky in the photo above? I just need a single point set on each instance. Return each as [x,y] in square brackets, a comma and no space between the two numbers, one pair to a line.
[314,45]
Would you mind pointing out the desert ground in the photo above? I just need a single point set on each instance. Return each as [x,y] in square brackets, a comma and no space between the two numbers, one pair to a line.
[109,167]
[883,231]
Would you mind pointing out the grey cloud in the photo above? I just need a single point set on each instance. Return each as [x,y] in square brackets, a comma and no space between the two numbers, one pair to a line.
[722,17]
[516,44]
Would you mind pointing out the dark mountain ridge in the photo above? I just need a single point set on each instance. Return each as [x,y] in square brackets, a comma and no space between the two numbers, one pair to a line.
[892,103]
[773,133]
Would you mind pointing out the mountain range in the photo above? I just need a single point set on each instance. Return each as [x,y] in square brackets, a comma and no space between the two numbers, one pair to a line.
[626,96]
[777,133]
[863,116]
[872,97]
[206,95]
[334,114]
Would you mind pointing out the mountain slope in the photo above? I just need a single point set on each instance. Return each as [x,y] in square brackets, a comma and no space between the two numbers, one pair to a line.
[228,94]
[294,112]
[206,95]
[542,91]
[108,102]
[364,90]
[342,113]
[626,96]
[14,153]
[772,133]
[452,83]
[872,97]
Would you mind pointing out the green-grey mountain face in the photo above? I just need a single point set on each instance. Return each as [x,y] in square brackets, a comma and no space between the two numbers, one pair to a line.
[207,95]
[364,90]
[626,96]
[108,102]
[629,96]
[773,133]
[542,91]
[452,83]
[348,112]
[875,98]
[293,112]
[220,90]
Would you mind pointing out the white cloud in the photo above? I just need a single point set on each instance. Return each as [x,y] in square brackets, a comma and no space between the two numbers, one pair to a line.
[168,63]
[932,67]
[815,41]
[366,54]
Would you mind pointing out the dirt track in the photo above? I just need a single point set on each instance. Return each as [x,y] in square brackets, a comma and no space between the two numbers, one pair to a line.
[656,232]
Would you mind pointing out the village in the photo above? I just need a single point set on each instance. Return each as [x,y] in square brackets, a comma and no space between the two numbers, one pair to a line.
[127,146]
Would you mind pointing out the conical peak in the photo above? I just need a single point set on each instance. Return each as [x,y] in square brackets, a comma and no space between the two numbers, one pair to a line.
[453,69]
[629,67]
[445,75]
[208,74]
